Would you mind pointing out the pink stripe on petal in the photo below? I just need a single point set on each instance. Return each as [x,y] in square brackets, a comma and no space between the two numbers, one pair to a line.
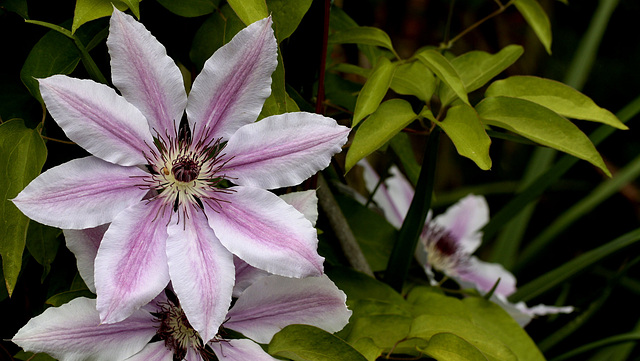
[484,275]
[283,150]
[265,232]
[274,302]
[202,272]
[84,244]
[131,265]
[463,221]
[239,350]
[73,332]
[98,119]
[81,193]
[146,76]
[234,83]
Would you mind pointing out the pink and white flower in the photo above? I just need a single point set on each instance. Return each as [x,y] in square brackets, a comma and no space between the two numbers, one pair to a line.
[182,200]
[448,241]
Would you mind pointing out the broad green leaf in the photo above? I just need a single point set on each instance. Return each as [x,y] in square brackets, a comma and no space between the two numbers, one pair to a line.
[414,78]
[250,11]
[53,54]
[279,101]
[42,243]
[17,6]
[401,145]
[30,356]
[287,15]
[476,68]
[367,348]
[190,8]
[445,71]
[362,35]
[556,96]
[374,234]
[535,16]
[87,10]
[373,90]
[308,343]
[22,155]
[467,133]
[339,21]
[387,121]
[64,297]
[352,69]
[217,30]
[449,347]
[359,286]
[540,125]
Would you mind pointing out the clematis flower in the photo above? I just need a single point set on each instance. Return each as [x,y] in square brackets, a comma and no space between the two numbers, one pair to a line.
[448,241]
[182,200]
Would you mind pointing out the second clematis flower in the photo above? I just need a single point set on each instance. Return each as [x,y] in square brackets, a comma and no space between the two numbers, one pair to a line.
[182,199]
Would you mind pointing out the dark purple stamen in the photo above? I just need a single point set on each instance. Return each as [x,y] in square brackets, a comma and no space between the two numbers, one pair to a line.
[185,170]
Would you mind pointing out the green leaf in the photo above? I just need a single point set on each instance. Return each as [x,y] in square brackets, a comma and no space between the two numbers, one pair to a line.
[64,297]
[387,121]
[449,347]
[30,356]
[53,54]
[445,71]
[534,14]
[22,155]
[467,133]
[414,78]
[287,15]
[362,35]
[42,243]
[17,6]
[359,286]
[250,11]
[556,96]
[218,29]
[308,343]
[541,125]
[401,145]
[189,8]
[476,68]
[87,10]
[373,90]
[279,101]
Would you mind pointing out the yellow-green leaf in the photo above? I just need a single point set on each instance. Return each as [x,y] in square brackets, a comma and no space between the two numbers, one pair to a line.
[449,347]
[556,96]
[362,35]
[87,10]
[415,79]
[373,90]
[540,125]
[250,11]
[535,16]
[476,68]
[443,69]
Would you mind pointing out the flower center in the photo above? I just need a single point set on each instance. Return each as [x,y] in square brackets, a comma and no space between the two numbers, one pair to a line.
[442,250]
[185,170]
[176,331]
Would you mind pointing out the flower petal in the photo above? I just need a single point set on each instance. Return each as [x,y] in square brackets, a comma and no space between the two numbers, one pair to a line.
[131,265]
[81,193]
[524,314]
[154,351]
[265,232]
[84,244]
[246,275]
[239,350]
[234,83]
[283,150]
[484,275]
[464,220]
[144,74]
[97,118]
[393,196]
[73,332]
[202,272]
[306,202]
[275,302]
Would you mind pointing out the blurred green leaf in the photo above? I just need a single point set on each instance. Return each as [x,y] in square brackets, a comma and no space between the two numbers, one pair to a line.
[373,90]
[308,343]
[359,286]
[556,96]
[476,68]
[449,347]
[42,243]
[87,10]
[415,79]
[53,54]
[218,29]
[630,336]
[541,125]
[401,145]
[445,71]
[534,14]
[190,8]
[287,15]
[362,35]
[30,356]
[250,11]
[467,133]
[387,121]
[22,155]
[17,6]
[341,92]
[64,297]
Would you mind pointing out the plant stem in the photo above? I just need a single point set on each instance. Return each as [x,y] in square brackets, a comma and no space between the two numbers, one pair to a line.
[403,250]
